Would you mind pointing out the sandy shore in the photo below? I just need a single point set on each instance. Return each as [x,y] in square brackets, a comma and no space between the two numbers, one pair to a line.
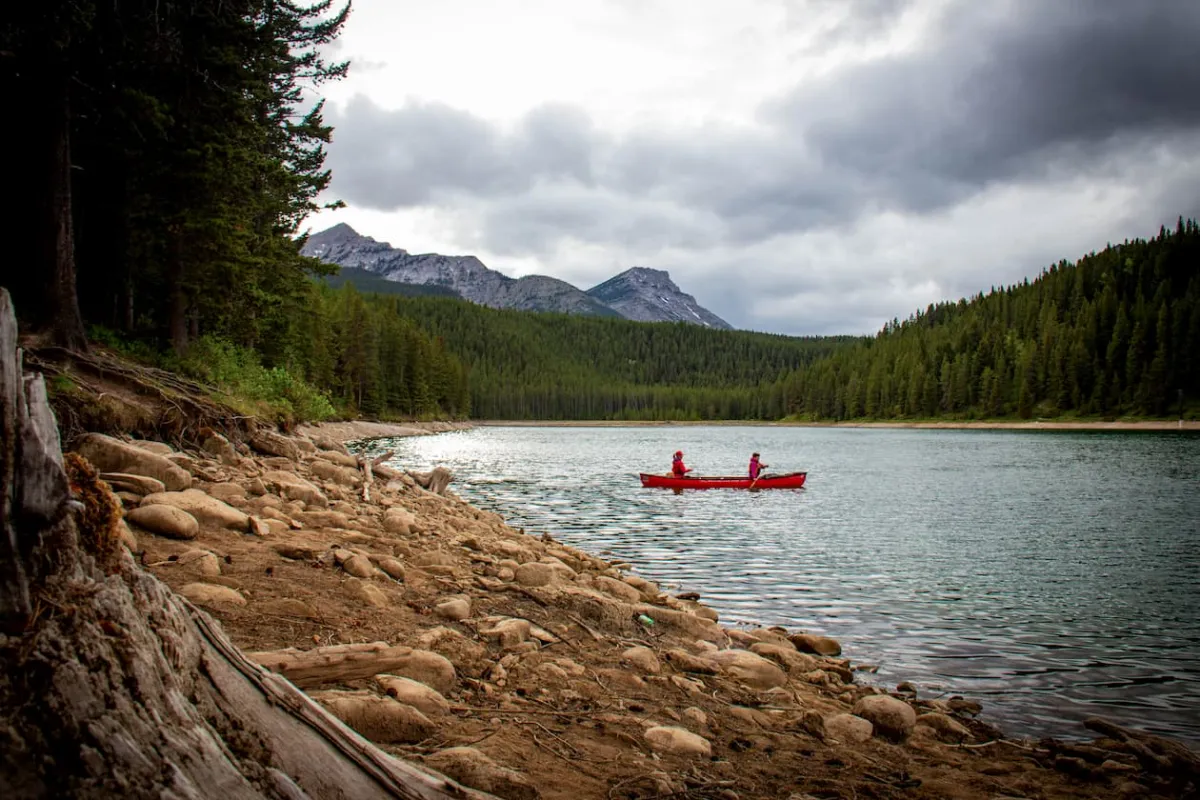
[540,671]
[1032,425]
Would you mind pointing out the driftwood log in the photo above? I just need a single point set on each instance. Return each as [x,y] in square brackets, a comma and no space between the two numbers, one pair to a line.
[112,685]
[436,480]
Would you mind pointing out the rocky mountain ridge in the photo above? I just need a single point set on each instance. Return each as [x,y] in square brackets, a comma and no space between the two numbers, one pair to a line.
[640,293]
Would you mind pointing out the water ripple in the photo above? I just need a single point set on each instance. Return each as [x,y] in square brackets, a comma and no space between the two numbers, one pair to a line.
[1054,574]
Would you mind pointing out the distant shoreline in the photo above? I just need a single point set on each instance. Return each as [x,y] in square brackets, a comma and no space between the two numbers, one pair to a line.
[1031,425]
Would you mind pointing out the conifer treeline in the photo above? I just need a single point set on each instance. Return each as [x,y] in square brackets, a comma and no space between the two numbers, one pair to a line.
[1118,332]
[166,160]
[554,366]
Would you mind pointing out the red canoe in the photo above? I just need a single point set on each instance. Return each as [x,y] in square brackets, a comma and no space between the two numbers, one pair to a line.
[792,480]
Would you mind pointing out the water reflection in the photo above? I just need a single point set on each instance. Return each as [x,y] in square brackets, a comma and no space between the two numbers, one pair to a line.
[1053,574]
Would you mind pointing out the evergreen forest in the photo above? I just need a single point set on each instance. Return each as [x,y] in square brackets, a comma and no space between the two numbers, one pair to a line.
[172,152]
[1115,334]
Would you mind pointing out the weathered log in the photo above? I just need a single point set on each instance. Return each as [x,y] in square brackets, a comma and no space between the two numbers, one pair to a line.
[435,481]
[112,685]
[335,664]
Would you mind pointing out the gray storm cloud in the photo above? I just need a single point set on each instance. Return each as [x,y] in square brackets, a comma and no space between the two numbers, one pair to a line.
[999,95]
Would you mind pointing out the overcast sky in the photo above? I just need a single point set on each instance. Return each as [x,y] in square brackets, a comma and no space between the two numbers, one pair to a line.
[799,166]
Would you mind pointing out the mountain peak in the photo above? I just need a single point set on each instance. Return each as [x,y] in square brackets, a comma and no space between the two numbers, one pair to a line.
[649,295]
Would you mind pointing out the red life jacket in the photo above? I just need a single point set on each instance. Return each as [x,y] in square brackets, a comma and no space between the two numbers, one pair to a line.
[677,468]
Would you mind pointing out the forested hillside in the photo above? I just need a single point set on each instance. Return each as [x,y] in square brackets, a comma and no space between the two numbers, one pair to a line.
[1118,332]
[166,158]
[555,366]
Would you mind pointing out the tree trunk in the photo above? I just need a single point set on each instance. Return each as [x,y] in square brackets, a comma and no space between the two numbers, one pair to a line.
[177,310]
[113,686]
[66,323]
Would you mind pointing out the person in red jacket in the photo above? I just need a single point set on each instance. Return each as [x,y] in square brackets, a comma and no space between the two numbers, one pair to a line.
[677,467]
[756,467]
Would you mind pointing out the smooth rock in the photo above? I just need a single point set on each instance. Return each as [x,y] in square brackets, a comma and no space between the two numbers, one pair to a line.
[201,561]
[946,728]
[380,719]
[429,668]
[227,491]
[293,487]
[537,573]
[323,519]
[359,566]
[138,484]
[618,589]
[686,662]
[209,594]
[848,729]
[158,448]
[331,472]
[112,455]
[508,632]
[472,768]
[324,442]
[750,668]
[695,716]
[424,698]
[821,645]
[165,520]
[393,568]
[786,657]
[220,448]
[670,739]
[643,658]
[207,510]
[456,609]
[366,593]
[892,718]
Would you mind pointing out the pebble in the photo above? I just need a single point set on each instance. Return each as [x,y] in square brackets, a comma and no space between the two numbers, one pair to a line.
[670,739]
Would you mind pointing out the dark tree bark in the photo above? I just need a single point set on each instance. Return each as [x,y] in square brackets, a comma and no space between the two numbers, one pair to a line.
[66,323]
[113,686]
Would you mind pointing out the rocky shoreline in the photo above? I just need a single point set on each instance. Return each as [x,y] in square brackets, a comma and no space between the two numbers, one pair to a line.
[527,668]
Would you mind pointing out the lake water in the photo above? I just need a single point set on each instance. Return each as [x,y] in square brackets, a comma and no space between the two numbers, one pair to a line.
[1050,575]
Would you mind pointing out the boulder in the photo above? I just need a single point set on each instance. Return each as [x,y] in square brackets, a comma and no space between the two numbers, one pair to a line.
[292,487]
[399,521]
[169,521]
[127,482]
[219,448]
[455,609]
[618,589]
[424,698]
[750,668]
[207,510]
[322,519]
[158,448]
[227,491]
[366,592]
[945,728]
[643,658]
[392,567]
[210,594]
[289,607]
[380,719]
[508,632]
[112,455]
[686,662]
[359,566]
[848,729]
[201,561]
[892,718]
[273,444]
[821,645]
[331,472]
[670,739]
[472,768]
[537,573]
[786,657]
[428,668]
